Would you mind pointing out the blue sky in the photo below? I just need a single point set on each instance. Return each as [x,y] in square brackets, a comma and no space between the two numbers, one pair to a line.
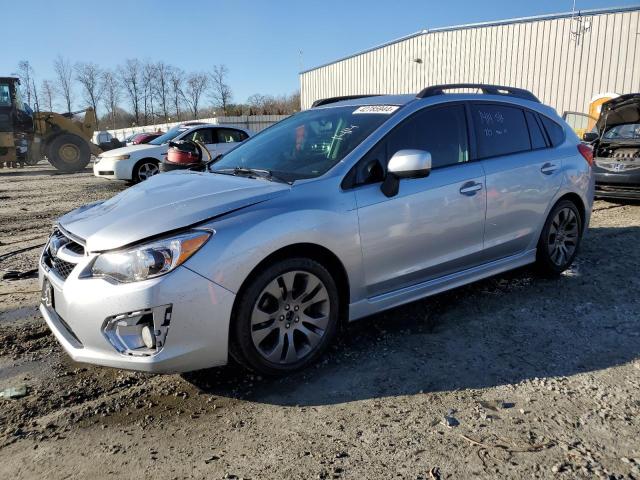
[259,41]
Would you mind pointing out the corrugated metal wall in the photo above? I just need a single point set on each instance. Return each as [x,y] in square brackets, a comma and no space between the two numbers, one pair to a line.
[565,61]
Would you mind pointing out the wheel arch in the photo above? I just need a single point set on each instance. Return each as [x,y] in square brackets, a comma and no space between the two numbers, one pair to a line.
[134,168]
[575,199]
[312,251]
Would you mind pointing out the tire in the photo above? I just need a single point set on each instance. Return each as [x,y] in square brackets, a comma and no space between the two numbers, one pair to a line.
[560,239]
[145,169]
[68,153]
[292,302]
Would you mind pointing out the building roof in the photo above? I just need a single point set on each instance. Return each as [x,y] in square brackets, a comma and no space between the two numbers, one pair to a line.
[535,18]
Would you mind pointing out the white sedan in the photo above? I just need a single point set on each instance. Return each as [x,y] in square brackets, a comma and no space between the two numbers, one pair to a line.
[139,162]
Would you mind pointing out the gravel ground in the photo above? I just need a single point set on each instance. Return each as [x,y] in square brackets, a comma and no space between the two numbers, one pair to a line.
[514,377]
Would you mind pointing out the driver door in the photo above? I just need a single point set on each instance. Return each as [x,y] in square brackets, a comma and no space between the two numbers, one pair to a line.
[434,225]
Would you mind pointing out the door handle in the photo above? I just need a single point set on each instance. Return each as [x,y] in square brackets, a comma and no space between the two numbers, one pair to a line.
[548,168]
[470,188]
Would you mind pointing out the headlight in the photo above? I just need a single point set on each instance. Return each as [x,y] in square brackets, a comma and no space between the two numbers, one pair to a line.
[120,157]
[149,260]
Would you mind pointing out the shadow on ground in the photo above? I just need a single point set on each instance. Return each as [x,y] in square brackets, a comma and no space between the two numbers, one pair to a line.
[502,330]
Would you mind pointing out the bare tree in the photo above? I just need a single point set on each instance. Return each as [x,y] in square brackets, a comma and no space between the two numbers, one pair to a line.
[149,90]
[163,80]
[47,94]
[25,72]
[89,76]
[111,89]
[130,76]
[64,76]
[197,84]
[176,79]
[220,89]
[274,105]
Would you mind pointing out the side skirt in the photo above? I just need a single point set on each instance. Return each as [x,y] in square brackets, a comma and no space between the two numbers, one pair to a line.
[385,301]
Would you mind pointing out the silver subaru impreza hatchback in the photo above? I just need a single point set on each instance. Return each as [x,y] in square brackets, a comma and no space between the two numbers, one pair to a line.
[357,205]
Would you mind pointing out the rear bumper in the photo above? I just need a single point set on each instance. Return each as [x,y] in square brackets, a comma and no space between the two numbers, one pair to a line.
[623,186]
[197,335]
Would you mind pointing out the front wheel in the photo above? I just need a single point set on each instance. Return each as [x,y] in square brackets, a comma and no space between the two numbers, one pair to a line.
[560,239]
[68,153]
[285,318]
[144,170]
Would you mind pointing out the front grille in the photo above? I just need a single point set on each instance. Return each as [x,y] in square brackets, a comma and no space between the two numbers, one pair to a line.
[75,247]
[61,267]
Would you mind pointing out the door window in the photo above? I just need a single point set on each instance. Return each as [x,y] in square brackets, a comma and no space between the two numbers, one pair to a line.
[441,131]
[500,130]
[202,135]
[230,135]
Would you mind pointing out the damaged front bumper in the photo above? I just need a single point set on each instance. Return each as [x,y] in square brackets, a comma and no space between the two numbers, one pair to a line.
[186,318]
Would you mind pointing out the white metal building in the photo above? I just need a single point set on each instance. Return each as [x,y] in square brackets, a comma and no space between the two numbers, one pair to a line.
[564,59]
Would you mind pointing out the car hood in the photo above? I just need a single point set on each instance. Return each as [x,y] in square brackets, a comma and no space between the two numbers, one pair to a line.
[128,150]
[619,111]
[164,203]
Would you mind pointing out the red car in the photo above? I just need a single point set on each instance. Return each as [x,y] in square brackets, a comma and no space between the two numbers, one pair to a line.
[145,137]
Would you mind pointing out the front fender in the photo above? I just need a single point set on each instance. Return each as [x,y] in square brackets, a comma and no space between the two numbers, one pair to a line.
[243,240]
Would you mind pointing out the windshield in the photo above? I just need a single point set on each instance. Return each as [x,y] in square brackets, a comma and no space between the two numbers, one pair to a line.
[307,144]
[167,137]
[630,131]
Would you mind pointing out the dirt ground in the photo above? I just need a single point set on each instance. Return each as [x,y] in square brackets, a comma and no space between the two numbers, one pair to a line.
[512,377]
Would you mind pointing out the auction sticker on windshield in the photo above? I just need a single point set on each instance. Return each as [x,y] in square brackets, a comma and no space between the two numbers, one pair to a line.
[386,109]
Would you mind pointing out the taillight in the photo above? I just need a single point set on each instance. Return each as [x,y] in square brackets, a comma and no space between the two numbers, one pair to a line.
[587,152]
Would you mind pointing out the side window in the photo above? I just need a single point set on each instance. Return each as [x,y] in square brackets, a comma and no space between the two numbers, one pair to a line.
[230,135]
[440,131]
[500,130]
[537,137]
[554,131]
[202,135]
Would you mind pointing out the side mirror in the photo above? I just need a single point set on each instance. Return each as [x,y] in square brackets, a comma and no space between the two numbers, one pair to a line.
[590,137]
[405,164]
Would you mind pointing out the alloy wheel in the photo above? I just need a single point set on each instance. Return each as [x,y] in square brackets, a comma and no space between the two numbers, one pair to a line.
[290,317]
[563,236]
[147,170]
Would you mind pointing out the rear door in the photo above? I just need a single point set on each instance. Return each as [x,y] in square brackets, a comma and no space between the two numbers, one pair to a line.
[522,175]
[434,225]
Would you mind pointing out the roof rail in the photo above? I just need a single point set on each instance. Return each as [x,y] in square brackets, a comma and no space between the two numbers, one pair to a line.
[486,89]
[326,101]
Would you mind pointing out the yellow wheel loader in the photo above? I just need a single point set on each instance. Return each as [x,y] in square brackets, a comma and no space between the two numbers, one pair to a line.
[27,136]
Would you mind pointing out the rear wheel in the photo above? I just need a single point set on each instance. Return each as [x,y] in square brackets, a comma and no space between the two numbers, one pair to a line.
[145,169]
[286,317]
[68,153]
[560,239]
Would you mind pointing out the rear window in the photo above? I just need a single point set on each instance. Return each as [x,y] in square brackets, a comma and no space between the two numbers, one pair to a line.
[537,137]
[554,131]
[500,130]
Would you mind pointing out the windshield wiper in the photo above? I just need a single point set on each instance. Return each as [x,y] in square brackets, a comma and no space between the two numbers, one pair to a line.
[251,172]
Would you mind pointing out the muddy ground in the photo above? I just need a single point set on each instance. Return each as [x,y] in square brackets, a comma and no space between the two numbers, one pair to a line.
[514,377]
